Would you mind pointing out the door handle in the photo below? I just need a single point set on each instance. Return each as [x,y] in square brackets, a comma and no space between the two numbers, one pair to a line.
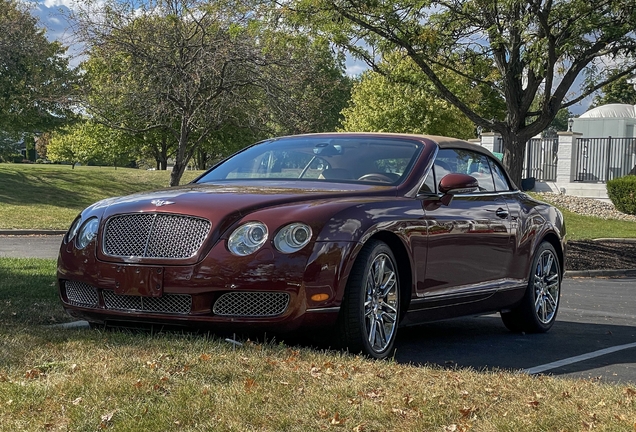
[502,213]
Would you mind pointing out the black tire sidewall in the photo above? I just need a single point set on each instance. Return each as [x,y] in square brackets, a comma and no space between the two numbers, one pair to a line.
[357,338]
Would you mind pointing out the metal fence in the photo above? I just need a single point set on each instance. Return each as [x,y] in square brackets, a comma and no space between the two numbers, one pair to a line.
[541,159]
[598,160]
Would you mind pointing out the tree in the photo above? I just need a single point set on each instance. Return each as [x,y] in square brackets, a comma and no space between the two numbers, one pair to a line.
[619,91]
[9,147]
[36,84]
[314,89]
[182,73]
[89,142]
[181,67]
[538,46]
[406,101]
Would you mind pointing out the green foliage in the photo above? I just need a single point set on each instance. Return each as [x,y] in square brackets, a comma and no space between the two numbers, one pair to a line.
[619,91]
[181,74]
[36,84]
[405,100]
[622,192]
[9,147]
[89,143]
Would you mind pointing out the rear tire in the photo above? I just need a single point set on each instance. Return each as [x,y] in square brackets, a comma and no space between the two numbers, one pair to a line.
[370,309]
[538,309]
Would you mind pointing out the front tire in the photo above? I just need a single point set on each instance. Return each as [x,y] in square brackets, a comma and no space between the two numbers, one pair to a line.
[370,310]
[538,309]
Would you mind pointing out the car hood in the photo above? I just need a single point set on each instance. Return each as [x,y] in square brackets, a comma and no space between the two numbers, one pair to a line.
[233,200]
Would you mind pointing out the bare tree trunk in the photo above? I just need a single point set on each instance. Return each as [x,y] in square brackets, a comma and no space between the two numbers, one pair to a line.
[163,156]
[514,149]
[180,159]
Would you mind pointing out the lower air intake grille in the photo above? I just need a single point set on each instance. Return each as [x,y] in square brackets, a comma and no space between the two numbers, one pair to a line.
[169,303]
[81,294]
[251,304]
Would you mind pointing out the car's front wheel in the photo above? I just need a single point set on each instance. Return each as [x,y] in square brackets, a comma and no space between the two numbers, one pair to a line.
[370,310]
[537,311]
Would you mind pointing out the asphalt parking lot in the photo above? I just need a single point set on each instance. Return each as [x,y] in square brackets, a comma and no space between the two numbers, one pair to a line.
[594,336]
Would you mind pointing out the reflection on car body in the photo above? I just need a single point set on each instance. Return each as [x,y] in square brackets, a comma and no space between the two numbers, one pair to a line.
[356,232]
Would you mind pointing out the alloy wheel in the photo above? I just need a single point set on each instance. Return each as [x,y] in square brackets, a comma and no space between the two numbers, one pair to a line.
[546,287]
[381,303]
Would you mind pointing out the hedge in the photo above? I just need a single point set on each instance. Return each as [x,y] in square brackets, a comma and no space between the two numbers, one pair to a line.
[622,192]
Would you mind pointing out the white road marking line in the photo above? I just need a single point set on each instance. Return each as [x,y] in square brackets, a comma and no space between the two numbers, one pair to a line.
[577,359]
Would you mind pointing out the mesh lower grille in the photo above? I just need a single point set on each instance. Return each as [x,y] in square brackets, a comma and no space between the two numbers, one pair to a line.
[155,235]
[81,294]
[168,303]
[251,304]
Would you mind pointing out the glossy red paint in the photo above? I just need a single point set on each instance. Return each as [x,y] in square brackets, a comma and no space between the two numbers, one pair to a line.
[471,254]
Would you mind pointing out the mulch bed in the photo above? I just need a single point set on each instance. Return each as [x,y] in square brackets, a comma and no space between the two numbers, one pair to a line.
[600,255]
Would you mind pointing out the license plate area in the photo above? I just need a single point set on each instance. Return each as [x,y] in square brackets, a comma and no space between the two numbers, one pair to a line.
[139,281]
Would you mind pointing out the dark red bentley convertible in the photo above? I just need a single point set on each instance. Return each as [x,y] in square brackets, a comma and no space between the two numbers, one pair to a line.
[355,233]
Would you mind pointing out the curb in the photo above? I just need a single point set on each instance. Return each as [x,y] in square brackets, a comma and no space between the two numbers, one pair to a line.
[599,273]
[616,240]
[28,232]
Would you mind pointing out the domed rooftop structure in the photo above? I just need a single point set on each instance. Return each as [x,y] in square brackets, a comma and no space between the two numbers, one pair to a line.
[611,111]
[615,120]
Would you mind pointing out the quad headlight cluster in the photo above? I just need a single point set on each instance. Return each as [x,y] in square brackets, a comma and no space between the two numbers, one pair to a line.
[250,237]
[82,231]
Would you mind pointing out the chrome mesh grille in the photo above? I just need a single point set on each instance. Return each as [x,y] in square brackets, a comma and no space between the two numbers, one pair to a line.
[155,235]
[251,304]
[81,294]
[168,303]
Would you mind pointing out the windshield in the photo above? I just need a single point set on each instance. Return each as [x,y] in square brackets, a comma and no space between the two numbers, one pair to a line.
[348,159]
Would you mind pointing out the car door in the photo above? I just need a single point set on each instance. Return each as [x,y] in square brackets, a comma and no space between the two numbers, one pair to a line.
[469,240]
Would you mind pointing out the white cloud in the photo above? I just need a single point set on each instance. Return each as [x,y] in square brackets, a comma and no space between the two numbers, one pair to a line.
[57,3]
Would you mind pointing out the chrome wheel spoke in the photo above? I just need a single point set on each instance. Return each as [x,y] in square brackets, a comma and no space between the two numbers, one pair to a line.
[548,265]
[372,327]
[388,285]
[380,306]
[546,287]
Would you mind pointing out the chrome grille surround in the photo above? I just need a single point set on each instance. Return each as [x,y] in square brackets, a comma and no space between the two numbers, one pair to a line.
[251,304]
[168,303]
[81,294]
[154,235]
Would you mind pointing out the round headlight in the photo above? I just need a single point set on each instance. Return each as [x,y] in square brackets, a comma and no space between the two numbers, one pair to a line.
[87,233]
[73,229]
[292,237]
[247,238]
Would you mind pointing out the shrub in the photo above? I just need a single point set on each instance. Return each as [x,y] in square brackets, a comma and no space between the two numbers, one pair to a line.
[622,192]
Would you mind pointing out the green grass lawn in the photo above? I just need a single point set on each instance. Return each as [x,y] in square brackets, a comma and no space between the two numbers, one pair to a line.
[50,196]
[78,379]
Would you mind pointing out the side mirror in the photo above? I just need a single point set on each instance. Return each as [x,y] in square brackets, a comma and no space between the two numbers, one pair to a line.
[454,184]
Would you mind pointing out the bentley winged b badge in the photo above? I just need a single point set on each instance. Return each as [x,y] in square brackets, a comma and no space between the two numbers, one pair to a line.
[160,203]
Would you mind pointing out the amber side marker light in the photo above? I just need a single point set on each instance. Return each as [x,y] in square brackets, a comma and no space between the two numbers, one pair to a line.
[319,297]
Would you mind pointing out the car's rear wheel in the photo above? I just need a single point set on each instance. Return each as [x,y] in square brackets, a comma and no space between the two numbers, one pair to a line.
[538,309]
[370,310]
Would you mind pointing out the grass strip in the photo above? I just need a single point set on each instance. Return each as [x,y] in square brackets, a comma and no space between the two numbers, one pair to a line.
[69,379]
[50,196]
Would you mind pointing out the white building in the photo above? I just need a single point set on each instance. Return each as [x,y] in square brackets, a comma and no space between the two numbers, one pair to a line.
[612,120]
